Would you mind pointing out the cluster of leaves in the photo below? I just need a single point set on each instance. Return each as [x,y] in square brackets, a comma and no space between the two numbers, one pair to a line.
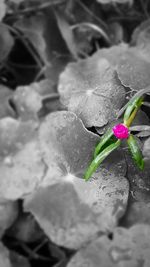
[56,99]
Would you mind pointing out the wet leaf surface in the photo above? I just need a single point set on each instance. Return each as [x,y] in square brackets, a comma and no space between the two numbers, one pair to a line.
[47,210]
[91,89]
[27,102]
[131,63]
[139,181]
[75,205]
[129,247]
[133,69]
[35,100]
[21,165]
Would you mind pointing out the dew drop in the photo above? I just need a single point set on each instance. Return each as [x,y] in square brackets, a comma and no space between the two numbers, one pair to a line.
[9,161]
[120,254]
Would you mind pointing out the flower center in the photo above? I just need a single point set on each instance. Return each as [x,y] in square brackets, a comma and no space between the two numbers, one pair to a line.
[121,131]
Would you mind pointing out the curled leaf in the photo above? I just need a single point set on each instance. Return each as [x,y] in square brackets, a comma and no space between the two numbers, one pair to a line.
[135,151]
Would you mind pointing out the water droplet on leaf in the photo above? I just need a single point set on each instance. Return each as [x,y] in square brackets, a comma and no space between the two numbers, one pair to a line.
[8,161]
[120,254]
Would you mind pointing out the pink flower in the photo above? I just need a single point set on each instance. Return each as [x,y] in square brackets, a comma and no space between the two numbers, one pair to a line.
[121,131]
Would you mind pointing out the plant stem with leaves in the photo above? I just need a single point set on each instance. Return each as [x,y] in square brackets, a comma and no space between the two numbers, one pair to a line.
[111,140]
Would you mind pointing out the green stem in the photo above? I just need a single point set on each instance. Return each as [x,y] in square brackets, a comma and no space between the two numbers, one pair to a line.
[105,138]
[135,106]
[99,159]
[131,118]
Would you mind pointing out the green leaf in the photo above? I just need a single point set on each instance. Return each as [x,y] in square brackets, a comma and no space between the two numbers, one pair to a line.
[99,159]
[136,103]
[135,151]
[106,137]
